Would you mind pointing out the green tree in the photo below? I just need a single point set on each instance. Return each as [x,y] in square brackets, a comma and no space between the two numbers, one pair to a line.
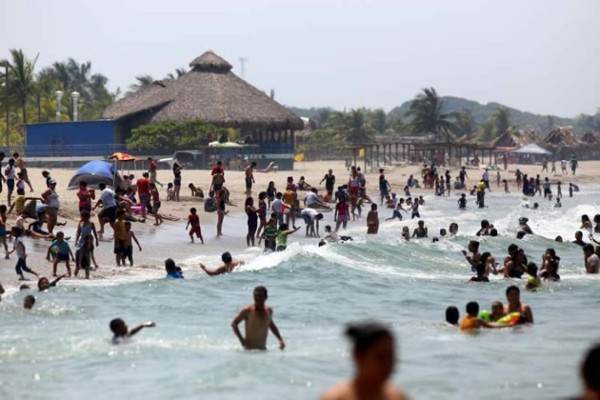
[396,124]
[172,135]
[141,81]
[358,131]
[377,120]
[427,117]
[501,120]
[21,78]
[465,123]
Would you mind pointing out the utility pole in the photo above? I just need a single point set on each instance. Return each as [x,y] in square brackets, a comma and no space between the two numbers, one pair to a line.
[243,61]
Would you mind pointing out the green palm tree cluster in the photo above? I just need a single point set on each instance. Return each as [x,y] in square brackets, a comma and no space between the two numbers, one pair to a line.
[142,81]
[427,116]
[31,95]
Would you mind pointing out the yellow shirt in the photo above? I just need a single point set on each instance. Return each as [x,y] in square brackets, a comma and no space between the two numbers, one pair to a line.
[120,233]
[20,204]
[469,323]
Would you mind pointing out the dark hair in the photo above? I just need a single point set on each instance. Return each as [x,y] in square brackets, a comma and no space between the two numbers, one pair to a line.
[226,257]
[115,324]
[193,210]
[170,265]
[475,244]
[480,269]
[249,201]
[472,308]
[452,315]
[485,223]
[283,227]
[102,185]
[521,234]
[262,195]
[591,368]
[494,232]
[512,288]
[366,334]
[588,247]
[532,269]
[558,239]
[262,289]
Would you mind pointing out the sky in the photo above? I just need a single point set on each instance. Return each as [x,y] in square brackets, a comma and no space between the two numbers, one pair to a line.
[536,55]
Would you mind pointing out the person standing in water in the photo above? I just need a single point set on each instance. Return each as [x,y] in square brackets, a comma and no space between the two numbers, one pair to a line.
[258,319]
[513,295]
[374,356]
[373,220]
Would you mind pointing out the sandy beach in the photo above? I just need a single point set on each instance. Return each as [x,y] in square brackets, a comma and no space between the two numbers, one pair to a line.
[164,241]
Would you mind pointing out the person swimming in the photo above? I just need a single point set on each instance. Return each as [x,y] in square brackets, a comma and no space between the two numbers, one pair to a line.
[452,315]
[121,332]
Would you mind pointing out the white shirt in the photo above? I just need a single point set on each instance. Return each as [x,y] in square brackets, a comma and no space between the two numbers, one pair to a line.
[486,176]
[10,172]
[276,205]
[108,198]
[311,198]
[312,214]
[19,247]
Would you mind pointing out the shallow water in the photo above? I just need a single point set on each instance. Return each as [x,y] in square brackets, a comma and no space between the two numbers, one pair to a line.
[62,348]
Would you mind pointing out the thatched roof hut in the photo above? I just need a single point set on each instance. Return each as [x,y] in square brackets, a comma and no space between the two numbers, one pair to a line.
[209,92]
[591,138]
[562,136]
[514,139]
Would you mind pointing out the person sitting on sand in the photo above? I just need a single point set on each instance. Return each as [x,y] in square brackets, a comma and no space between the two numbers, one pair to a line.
[258,318]
[228,265]
[121,332]
[303,185]
[196,191]
[374,356]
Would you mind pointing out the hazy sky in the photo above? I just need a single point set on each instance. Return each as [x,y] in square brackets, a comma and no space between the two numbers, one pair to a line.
[540,56]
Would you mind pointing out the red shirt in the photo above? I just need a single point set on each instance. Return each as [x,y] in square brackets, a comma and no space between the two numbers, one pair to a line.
[85,198]
[194,220]
[217,170]
[152,166]
[143,185]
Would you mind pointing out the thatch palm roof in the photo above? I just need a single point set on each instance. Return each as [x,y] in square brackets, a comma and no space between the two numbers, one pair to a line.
[516,138]
[591,138]
[562,136]
[209,92]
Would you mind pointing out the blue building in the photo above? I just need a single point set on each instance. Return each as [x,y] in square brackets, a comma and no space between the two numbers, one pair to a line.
[61,139]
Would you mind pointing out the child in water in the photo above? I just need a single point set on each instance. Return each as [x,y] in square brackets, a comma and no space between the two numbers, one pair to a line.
[405,233]
[282,236]
[172,270]
[194,224]
[121,332]
[62,255]
[462,202]
[373,220]
[472,322]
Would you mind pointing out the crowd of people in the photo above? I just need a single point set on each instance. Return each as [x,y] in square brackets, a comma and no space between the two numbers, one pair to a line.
[272,217]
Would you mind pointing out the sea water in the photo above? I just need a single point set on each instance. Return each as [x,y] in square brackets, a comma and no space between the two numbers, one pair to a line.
[62,348]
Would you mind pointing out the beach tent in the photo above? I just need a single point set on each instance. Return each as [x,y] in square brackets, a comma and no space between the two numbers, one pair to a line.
[533,149]
[95,172]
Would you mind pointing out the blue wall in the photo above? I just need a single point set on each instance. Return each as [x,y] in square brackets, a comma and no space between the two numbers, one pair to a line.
[69,138]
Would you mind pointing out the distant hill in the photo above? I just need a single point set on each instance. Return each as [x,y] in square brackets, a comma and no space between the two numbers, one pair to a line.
[482,112]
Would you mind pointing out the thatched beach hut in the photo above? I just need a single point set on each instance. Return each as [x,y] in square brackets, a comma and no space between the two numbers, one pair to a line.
[212,93]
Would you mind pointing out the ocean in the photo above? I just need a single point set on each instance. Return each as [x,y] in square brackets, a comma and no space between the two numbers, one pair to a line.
[62,348]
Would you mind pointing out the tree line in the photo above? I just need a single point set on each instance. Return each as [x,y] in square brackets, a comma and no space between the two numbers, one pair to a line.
[29,96]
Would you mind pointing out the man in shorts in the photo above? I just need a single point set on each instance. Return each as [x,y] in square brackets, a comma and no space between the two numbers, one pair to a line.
[250,178]
[109,207]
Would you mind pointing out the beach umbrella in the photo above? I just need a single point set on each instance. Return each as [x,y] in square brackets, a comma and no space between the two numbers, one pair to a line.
[125,158]
[94,173]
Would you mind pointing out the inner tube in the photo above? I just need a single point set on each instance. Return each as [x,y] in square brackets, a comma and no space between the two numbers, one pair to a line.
[510,319]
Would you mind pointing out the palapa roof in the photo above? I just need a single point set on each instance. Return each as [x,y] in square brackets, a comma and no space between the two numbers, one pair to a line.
[562,136]
[516,138]
[209,92]
[591,138]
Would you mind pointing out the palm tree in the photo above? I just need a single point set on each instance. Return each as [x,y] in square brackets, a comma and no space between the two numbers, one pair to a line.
[427,116]
[179,72]
[142,81]
[21,78]
[501,121]
[358,131]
